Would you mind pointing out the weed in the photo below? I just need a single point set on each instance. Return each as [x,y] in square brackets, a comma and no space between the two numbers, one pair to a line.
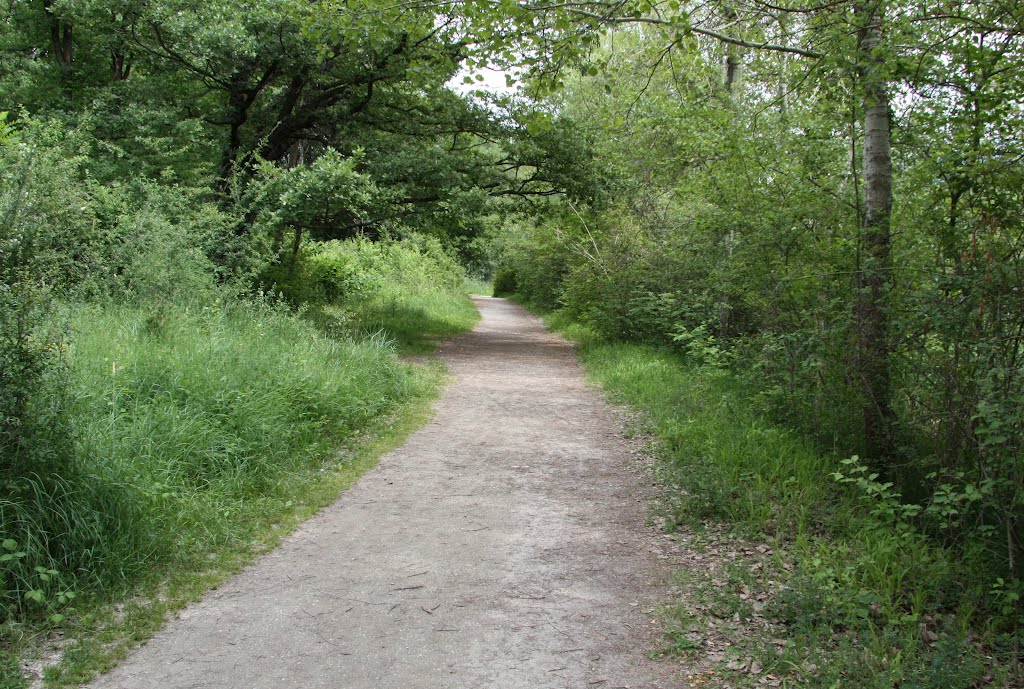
[10,672]
[680,630]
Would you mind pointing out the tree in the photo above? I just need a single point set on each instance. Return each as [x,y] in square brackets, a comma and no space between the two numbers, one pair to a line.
[810,35]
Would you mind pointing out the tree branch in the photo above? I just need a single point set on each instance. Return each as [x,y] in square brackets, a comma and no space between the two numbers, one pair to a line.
[717,35]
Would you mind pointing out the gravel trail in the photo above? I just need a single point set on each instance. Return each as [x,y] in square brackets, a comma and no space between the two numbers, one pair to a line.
[502,547]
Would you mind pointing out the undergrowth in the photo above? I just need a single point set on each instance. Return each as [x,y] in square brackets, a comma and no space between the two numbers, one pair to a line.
[198,428]
[868,601]
[479,287]
[409,291]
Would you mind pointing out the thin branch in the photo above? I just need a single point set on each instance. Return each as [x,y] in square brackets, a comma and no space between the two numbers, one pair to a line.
[717,35]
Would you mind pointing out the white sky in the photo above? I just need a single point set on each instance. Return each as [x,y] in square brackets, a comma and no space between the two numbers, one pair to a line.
[494,82]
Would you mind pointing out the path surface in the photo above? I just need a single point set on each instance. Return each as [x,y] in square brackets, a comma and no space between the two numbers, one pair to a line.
[502,547]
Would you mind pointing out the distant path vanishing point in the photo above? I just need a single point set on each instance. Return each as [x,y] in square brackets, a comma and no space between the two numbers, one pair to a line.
[502,547]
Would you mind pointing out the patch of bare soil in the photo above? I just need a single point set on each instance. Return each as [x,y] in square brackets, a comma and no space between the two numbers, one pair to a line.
[503,546]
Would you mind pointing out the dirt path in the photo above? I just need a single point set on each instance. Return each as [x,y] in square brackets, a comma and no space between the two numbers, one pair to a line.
[502,547]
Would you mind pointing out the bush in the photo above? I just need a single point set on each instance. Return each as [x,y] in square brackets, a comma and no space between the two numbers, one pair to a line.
[539,259]
[505,283]
[864,581]
[32,380]
[410,289]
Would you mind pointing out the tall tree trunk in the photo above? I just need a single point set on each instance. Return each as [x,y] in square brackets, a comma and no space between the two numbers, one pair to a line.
[732,68]
[279,141]
[119,67]
[732,57]
[239,114]
[874,273]
[62,43]
[241,98]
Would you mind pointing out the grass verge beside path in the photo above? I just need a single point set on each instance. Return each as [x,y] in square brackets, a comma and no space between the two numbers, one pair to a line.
[479,287]
[820,578]
[106,633]
[203,435]
[417,322]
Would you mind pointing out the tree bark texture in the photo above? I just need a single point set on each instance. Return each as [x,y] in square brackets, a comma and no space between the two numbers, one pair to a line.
[874,272]
[62,43]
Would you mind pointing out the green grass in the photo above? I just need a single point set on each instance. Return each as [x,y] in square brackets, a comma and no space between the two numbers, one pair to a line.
[479,287]
[10,673]
[108,631]
[417,321]
[860,583]
[734,465]
[203,434]
[408,292]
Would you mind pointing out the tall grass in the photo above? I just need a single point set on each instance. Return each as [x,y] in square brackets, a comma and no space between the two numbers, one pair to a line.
[416,321]
[196,426]
[410,291]
[864,582]
[187,421]
[156,424]
[477,286]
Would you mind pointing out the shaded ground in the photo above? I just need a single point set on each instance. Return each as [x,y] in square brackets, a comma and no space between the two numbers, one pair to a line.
[502,547]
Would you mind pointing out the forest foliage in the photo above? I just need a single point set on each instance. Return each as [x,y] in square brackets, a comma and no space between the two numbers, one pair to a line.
[222,224]
[824,201]
[821,201]
[163,384]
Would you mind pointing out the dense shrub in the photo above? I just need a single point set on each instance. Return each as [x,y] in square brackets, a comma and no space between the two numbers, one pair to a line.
[505,283]
[850,577]
[348,271]
[411,290]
